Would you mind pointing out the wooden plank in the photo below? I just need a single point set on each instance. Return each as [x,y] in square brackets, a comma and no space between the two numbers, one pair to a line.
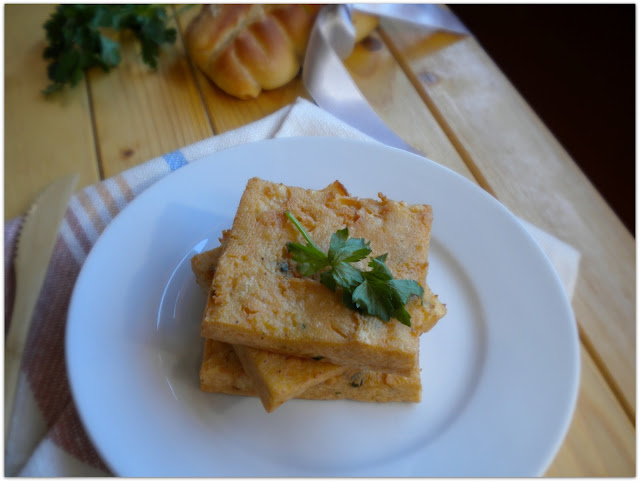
[227,112]
[45,138]
[141,113]
[588,449]
[515,156]
[601,440]
[386,87]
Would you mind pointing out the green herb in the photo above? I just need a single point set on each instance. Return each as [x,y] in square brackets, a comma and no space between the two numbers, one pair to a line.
[382,295]
[357,380]
[76,41]
[342,251]
[374,292]
[283,266]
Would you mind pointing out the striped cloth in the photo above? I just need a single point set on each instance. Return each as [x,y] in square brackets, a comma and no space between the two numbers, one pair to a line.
[47,437]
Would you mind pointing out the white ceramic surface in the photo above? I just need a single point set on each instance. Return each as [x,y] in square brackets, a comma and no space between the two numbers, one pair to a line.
[500,371]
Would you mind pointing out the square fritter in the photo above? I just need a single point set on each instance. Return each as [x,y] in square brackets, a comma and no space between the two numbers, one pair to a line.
[258,301]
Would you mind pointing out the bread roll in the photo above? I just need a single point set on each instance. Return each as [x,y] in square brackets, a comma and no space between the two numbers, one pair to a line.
[245,48]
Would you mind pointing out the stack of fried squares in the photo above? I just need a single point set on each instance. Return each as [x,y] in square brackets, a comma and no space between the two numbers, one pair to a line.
[273,333]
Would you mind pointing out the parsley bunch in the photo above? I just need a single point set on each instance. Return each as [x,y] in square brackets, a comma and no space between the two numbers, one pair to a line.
[374,292]
[76,41]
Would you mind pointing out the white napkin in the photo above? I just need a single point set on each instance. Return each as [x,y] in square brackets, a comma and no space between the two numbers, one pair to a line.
[47,437]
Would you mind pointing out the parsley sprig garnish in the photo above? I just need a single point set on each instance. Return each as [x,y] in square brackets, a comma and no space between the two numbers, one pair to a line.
[76,40]
[374,292]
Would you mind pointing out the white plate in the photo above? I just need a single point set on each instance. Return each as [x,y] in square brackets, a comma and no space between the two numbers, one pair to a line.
[500,371]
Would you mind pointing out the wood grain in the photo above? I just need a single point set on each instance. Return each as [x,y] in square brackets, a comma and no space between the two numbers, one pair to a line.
[387,88]
[601,442]
[600,420]
[141,113]
[529,171]
[45,138]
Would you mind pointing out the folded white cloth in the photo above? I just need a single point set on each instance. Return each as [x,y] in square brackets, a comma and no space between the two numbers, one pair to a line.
[47,438]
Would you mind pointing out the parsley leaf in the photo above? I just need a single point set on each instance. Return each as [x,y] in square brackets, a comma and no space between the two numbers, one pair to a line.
[310,260]
[76,42]
[310,257]
[383,296]
[346,276]
[345,249]
[374,292]
[342,251]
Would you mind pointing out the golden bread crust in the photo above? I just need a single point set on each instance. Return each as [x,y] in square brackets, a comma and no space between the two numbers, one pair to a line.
[222,372]
[257,305]
[245,48]
[278,378]
[204,264]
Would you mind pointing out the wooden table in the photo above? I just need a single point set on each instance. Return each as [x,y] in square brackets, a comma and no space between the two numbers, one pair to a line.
[441,93]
